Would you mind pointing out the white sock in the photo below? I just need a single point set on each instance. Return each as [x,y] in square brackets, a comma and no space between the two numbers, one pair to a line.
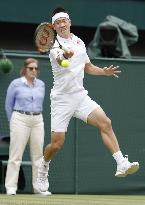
[45,162]
[118,156]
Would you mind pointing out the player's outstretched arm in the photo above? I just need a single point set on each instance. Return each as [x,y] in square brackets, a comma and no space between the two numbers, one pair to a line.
[107,71]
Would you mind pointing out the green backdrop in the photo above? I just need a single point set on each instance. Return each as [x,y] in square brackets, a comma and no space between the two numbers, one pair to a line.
[84,165]
[94,11]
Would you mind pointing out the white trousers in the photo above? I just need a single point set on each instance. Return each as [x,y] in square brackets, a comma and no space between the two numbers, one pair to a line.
[24,129]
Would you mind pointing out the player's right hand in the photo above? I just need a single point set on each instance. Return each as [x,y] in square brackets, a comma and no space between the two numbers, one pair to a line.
[68,53]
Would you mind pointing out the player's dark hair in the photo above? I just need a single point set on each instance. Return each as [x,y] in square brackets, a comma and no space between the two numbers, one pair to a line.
[58,10]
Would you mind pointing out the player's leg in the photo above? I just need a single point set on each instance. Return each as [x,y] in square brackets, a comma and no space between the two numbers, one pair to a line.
[90,112]
[62,109]
[57,141]
[36,143]
[99,119]
[61,112]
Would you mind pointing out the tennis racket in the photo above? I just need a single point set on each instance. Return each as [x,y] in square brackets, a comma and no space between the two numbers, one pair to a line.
[45,37]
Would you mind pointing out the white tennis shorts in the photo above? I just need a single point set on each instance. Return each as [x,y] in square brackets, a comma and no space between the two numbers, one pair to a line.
[66,106]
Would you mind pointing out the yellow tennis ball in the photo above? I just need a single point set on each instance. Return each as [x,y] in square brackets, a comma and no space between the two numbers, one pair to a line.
[65,63]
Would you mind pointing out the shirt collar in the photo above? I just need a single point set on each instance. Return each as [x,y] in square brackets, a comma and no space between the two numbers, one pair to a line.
[24,80]
[65,39]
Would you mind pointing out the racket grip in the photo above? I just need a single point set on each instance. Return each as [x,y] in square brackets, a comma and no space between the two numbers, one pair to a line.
[65,56]
[68,54]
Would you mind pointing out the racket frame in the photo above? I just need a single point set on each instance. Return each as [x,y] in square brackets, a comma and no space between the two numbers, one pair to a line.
[44,37]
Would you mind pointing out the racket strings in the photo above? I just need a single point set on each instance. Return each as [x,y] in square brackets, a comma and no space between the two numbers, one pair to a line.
[44,37]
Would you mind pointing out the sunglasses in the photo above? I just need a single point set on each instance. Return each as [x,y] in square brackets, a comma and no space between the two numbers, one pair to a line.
[31,68]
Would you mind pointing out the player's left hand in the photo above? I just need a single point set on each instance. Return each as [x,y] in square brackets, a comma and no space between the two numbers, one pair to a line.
[112,70]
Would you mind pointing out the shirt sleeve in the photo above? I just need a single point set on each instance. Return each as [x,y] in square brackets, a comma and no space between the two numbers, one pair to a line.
[87,57]
[10,100]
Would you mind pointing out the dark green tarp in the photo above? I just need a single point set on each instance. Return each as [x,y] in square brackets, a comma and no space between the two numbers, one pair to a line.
[125,34]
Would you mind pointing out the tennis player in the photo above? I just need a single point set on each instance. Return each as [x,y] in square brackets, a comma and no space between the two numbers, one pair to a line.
[70,99]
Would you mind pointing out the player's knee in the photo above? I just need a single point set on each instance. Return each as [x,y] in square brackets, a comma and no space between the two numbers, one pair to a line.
[57,141]
[106,125]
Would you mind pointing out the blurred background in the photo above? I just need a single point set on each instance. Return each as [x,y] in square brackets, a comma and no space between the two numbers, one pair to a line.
[19,18]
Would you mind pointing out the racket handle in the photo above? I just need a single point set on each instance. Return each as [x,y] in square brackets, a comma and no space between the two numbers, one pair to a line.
[68,54]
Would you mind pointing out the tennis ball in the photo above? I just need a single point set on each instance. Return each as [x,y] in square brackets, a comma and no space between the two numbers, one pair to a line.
[65,63]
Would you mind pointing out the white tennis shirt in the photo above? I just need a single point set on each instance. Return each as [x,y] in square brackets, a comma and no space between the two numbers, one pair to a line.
[69,80]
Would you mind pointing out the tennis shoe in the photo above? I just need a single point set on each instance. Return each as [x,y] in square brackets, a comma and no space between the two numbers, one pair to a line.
[11,191]
[43,193]
[126,168]
[42,179]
